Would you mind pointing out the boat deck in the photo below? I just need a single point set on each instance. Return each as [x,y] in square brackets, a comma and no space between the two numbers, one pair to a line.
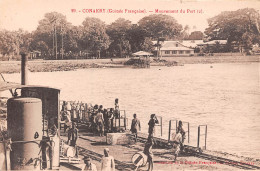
[93,147]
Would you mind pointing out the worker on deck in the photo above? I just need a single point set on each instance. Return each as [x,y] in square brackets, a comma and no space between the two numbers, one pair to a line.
[72,135]
[182,132]
[81,110]
[135,124]
[88,166]
[67,120]
[100,122]
[78,112]
[148,152]
[177,141]
[107,162]
[93,119]
[101,108]
[64,106]
[74,116]
[68,106]
[110,119]
[105,115]
[117,111]
[152,122]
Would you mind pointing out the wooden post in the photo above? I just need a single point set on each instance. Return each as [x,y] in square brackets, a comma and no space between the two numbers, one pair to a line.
[55,41]
[161,126]
[24,69]
[206,131]
[176,126]
[170,126]
[119,120]
[198,143]
[125,119]
[188,132]
[62,42]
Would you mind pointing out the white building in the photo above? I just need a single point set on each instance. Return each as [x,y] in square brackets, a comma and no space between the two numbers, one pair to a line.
[178,48]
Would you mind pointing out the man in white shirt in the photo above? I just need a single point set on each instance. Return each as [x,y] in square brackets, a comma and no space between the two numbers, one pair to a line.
[89,166]
[107,163]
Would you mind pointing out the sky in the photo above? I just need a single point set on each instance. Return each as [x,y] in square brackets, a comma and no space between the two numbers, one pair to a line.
[25,14]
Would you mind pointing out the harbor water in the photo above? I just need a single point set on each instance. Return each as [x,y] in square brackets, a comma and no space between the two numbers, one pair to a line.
[223,96]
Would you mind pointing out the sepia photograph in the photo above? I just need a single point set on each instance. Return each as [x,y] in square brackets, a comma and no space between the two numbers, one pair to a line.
[129,85]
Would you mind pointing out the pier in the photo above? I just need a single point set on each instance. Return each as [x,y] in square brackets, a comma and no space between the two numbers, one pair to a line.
[93,147]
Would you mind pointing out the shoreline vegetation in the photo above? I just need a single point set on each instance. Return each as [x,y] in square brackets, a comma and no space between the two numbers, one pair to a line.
[69,65]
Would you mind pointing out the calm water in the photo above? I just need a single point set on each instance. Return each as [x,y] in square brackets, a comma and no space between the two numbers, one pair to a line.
[225,97]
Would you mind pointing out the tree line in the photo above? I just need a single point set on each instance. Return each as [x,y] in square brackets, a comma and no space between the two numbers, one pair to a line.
[240,28]
[56,38]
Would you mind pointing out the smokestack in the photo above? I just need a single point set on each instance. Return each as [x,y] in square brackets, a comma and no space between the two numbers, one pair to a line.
[24,69]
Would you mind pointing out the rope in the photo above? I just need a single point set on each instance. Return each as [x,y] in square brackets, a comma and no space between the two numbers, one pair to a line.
[37,160]
[25,141]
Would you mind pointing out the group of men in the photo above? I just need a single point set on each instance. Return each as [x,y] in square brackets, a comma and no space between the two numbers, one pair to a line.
[74,110]
[107,162]
[100,119]
[151,131]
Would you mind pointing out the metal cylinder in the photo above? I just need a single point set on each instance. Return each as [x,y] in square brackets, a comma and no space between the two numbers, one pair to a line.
[24,124]
[24,69]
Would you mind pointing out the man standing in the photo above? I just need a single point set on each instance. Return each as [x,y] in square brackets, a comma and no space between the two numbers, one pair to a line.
[111,120]
[100,123]
[88,166]
[153,120]
[73,135]
[107,162]
[67,121]
[134,125]
[182,132]
[117,110]
[148,152]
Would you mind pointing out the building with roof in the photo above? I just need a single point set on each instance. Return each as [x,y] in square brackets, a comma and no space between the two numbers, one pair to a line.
[35,54]
[191,43]
[213,46]
[256,49]
[175,48]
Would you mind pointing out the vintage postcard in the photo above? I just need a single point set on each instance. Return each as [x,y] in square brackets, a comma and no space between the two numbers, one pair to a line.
[129,85]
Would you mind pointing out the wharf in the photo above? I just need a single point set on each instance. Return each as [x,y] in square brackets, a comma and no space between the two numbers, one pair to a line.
[93,147]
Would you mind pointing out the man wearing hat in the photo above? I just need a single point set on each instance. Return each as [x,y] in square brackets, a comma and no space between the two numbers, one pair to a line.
[107,163]
[89,166]
[152,122]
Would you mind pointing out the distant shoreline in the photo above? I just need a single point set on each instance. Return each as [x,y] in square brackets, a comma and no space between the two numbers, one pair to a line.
[68,65]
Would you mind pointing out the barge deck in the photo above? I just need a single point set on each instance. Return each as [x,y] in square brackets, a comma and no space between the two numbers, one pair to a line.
[93,147]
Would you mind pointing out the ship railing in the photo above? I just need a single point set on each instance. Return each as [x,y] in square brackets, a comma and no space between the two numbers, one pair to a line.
[200,134]
[173,125]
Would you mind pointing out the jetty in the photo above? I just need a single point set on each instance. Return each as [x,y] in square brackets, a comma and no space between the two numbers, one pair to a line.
[93,146]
